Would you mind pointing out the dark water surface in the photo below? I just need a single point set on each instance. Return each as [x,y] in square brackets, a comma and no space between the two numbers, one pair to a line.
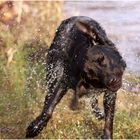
[121,21]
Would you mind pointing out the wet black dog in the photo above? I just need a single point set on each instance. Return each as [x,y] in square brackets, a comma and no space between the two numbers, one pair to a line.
[81,55]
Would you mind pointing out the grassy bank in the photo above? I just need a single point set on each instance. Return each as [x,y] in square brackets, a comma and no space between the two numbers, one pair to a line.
[22,84]
[18,42]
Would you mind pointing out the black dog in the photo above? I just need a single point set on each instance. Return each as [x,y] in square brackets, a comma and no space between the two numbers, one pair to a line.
[81,55]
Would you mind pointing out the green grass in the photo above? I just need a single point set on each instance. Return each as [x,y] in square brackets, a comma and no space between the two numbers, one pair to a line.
[19,98]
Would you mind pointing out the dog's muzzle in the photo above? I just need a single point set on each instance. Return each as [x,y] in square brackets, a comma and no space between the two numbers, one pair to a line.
[114,84]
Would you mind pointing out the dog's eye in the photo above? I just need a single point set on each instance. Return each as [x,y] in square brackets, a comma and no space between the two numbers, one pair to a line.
[100,60]
[91,72]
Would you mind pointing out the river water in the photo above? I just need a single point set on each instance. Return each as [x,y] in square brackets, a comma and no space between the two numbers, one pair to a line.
[121,21]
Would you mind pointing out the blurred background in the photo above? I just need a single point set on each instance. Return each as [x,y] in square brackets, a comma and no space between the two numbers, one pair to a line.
[26,31]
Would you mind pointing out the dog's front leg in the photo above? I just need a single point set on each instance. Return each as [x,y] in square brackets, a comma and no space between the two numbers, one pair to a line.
[41,121]
[109,109]
[57,83]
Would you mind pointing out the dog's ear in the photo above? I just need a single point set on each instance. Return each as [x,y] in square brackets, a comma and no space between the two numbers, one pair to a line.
[85,28]
[94,30]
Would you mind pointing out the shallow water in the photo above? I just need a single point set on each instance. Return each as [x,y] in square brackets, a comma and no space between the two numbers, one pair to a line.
[121,21]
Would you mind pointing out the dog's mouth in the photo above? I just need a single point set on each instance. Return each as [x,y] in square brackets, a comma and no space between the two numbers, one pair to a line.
[114,84]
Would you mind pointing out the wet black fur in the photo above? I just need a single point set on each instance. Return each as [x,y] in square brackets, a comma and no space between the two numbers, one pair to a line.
[81,55]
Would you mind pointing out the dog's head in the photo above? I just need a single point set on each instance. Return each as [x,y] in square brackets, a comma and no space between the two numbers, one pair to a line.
[104,66]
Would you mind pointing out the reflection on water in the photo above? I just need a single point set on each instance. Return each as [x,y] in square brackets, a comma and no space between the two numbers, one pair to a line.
[120,19]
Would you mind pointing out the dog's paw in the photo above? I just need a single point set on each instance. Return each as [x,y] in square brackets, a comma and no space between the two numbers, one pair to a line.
[34,128]
[106,137]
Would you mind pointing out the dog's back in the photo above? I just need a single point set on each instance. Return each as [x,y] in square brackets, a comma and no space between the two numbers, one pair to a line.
[71,43]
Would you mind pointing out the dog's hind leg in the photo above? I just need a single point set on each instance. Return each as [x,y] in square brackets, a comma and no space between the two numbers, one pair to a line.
[57,87]
[78,93]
